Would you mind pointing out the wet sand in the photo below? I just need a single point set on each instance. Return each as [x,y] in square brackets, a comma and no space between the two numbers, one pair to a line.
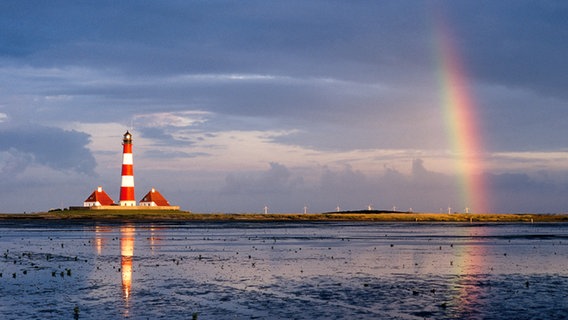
[65,269]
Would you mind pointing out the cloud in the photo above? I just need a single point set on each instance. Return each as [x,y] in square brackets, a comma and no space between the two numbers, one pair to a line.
[173,154]
[507,129]
[163,137]
[323,189]
[276,180]
[520,192]
[421,189]
[13,162]
[348,91]
[52,147]
[514,42]
[363,41]
[171,119]
[295,65]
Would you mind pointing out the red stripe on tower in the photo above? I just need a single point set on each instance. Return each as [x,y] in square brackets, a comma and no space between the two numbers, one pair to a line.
[127,186]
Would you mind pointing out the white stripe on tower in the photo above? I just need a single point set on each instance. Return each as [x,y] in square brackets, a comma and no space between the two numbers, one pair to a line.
[127,186]
[127,159]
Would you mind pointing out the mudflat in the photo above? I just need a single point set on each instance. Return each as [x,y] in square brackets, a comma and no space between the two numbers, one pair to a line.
[90,269]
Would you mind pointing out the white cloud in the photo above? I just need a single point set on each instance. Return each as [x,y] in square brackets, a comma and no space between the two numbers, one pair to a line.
[171,119]
[221,77]
[529,162]
[56,98]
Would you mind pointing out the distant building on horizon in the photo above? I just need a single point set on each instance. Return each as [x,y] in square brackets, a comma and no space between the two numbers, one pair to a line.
[154,199]
[98,198]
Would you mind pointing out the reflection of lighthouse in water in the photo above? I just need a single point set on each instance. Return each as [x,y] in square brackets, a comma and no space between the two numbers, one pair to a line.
[126,253]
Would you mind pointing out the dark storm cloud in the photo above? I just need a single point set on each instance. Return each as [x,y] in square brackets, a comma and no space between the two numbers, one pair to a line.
[355,40]
[208,36]
[516,120]
[520,43]
[52,147]
[380,56]
[360,40]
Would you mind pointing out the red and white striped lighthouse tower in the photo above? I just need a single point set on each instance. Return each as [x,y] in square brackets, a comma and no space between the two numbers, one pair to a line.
[127,186]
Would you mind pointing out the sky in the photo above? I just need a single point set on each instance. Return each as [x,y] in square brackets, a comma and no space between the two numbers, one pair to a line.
[234,106]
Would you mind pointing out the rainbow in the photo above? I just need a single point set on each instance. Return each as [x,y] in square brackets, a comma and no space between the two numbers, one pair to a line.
[462,124]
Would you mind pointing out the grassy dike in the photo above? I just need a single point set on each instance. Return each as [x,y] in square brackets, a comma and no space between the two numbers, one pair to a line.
[169,215]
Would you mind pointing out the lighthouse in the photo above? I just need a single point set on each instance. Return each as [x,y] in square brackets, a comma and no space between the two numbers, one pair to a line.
[127,186]
[153,200]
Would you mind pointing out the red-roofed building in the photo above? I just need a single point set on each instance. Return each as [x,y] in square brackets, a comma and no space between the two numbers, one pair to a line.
[98,198]
[154,199]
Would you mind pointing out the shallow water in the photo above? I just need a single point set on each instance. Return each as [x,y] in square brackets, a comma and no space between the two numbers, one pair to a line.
[303,270]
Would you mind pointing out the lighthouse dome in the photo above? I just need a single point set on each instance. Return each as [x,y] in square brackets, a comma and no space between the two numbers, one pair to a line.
[127,137]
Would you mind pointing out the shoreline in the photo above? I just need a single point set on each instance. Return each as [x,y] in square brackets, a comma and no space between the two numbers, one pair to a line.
[379,216]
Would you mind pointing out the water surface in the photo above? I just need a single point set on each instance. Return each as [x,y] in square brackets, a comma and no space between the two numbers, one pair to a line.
[300,270]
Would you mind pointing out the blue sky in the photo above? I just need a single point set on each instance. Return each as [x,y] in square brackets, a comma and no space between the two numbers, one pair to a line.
[239,105]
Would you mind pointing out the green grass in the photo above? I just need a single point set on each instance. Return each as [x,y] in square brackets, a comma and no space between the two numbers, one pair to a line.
[169,215]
